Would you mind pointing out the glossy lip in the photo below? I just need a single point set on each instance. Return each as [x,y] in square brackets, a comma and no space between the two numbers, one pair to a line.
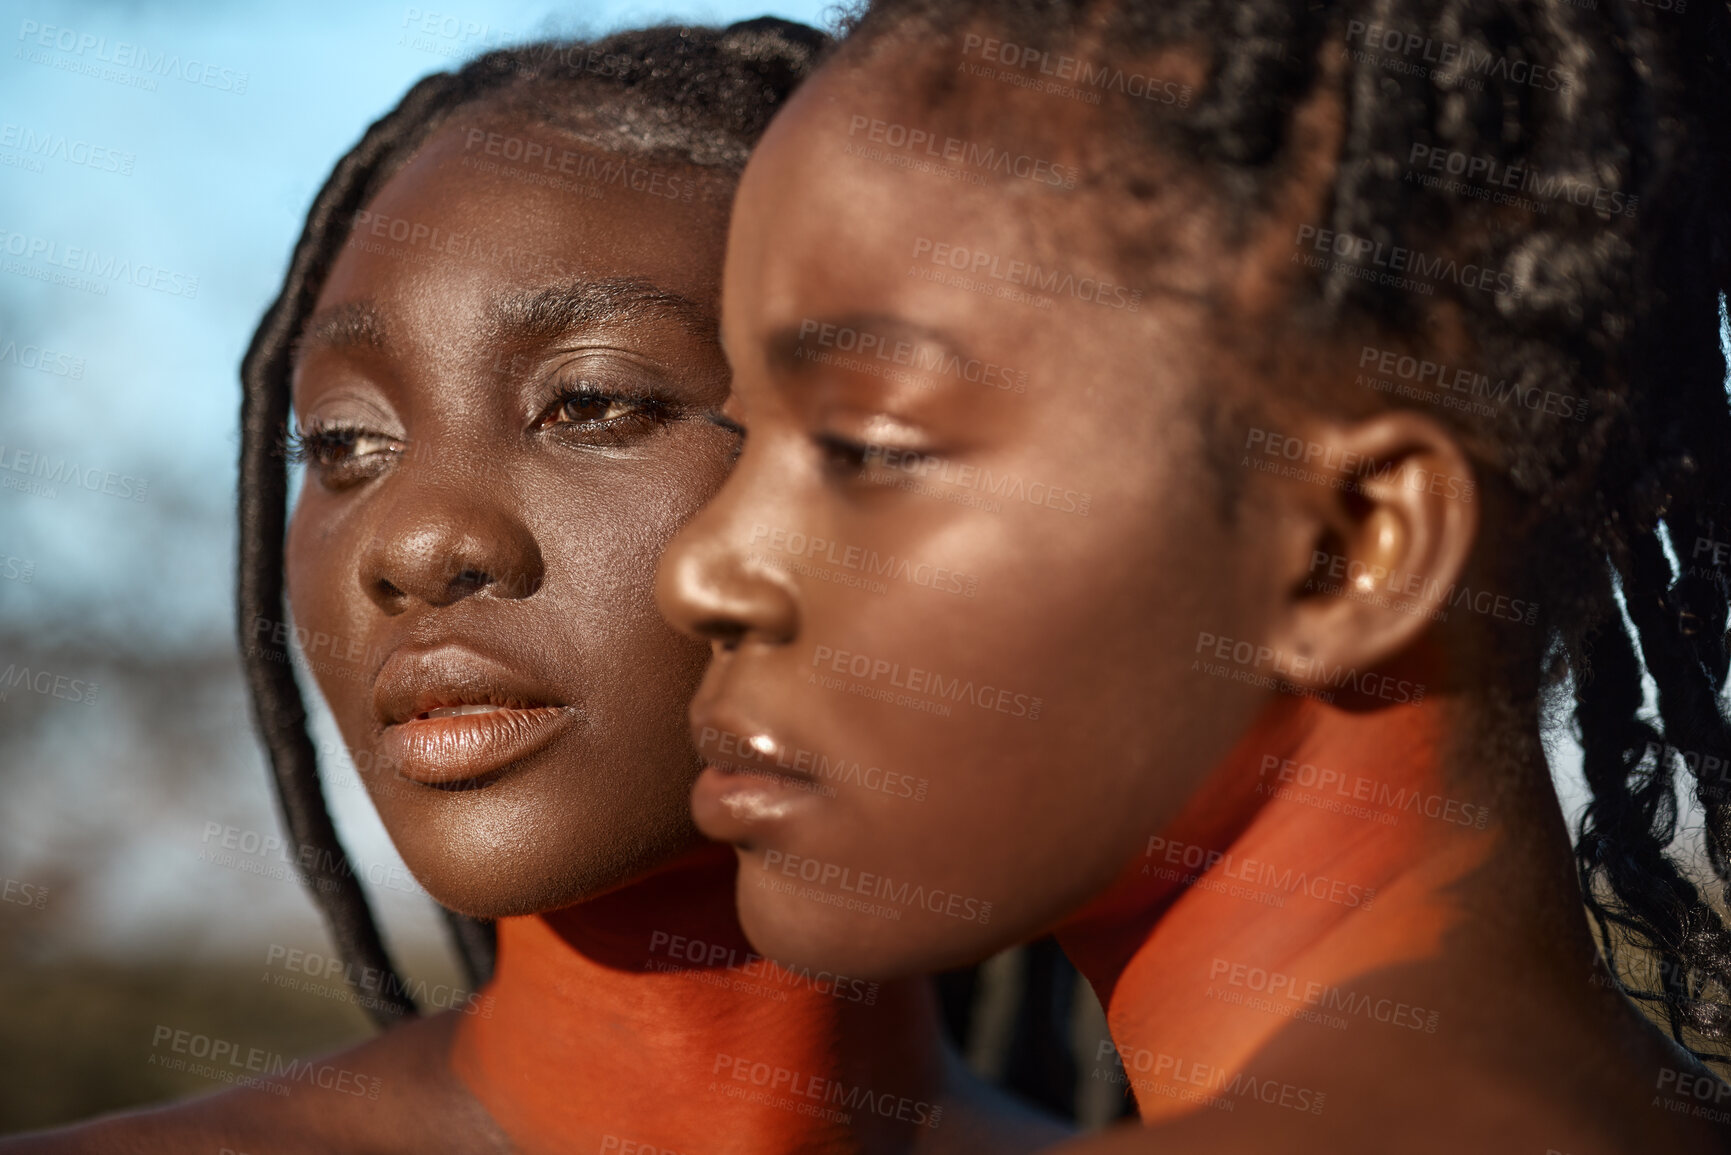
[460,750]
[738,800]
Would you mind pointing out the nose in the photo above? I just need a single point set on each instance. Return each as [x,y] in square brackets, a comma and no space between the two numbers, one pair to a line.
[435,545]
[709,585]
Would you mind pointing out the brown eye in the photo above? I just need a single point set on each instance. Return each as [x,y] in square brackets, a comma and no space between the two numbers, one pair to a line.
[593,417]
[591,409]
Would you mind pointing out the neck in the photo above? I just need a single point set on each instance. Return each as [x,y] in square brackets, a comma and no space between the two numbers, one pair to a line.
[1331,845]
[643,1017]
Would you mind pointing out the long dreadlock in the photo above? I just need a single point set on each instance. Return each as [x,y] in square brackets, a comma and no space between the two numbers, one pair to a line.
[1618,117]
[693,95]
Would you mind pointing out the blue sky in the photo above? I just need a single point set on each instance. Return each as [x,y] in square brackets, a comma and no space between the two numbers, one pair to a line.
[206,176]
[200,172]
[176,142]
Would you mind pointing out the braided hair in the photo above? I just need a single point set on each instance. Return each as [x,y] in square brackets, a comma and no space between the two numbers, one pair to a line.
[1616,116]
[699,96]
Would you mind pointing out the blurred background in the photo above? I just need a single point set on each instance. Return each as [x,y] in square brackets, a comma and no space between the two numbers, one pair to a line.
[139,886]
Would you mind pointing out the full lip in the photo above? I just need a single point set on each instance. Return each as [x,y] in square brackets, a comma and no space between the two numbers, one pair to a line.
[450,715]
[738,797]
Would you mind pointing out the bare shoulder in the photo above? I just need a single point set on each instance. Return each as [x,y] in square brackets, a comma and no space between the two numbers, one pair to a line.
[393,1093]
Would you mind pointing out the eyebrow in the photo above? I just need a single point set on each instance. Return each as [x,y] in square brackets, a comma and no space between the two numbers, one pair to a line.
[353,325]
[537,314]
[788,349]
[548,313]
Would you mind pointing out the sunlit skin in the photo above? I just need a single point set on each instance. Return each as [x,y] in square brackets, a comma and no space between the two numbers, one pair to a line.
[497,451]
[1138,749]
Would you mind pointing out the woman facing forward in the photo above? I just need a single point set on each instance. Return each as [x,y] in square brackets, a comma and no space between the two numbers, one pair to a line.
[497,340]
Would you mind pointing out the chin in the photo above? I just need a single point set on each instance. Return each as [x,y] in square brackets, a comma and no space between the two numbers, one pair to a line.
[533,870]
[801,934]
[478,891]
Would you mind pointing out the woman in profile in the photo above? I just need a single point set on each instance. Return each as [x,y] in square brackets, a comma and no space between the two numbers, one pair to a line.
[497,341]
[1245,696]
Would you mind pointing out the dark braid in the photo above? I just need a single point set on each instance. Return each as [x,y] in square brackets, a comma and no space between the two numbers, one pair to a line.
[686,95]
[1617,311]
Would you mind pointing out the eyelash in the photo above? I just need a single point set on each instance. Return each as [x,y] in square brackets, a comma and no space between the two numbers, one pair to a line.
[648,411]
[852,460]
[842,455]
[722,421]
[329,447]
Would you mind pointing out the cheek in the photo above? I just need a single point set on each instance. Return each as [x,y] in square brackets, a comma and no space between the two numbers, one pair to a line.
[324,599]
[601,594]
[611,550]
[1073,718]
[316,563]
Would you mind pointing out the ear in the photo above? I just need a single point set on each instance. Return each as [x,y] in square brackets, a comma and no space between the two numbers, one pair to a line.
[1377,520]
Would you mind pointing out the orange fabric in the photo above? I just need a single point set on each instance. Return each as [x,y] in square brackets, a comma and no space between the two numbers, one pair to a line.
[606,1034]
